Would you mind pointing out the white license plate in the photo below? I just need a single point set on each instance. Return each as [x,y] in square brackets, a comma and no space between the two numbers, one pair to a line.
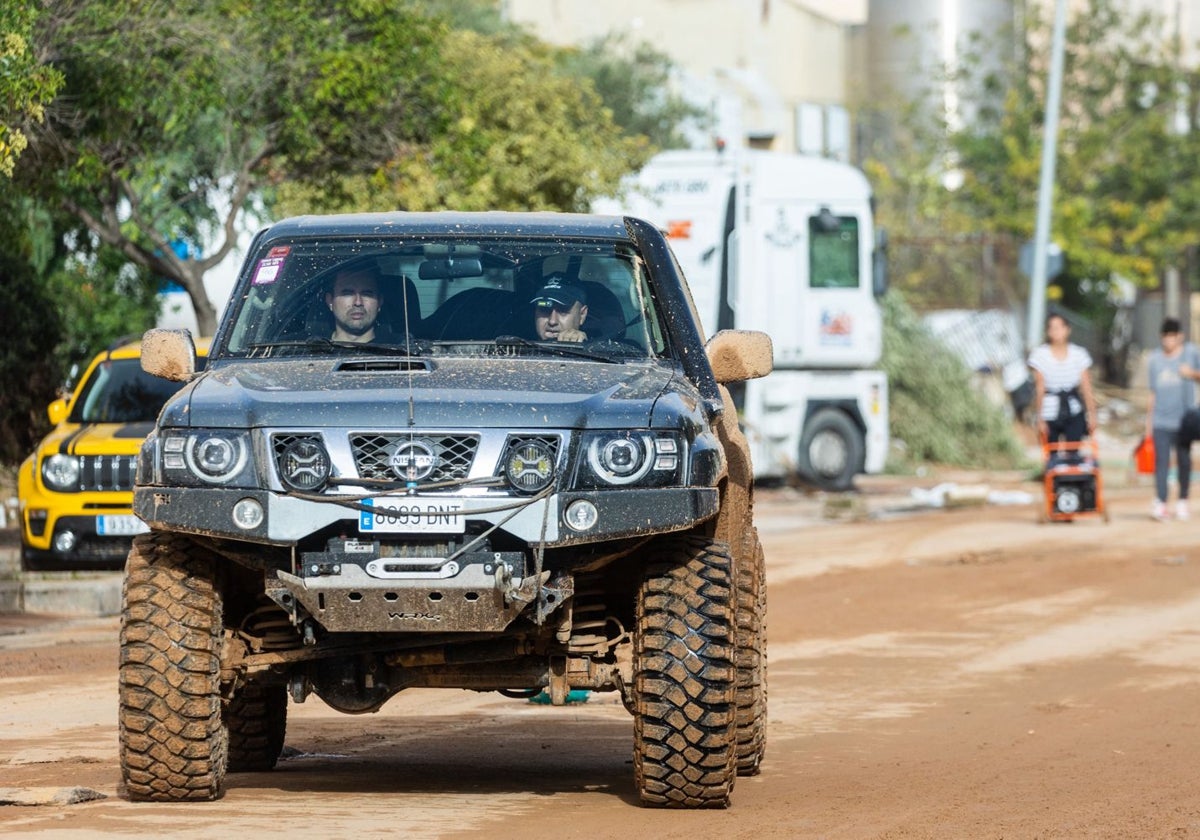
[120,525]
[412,516]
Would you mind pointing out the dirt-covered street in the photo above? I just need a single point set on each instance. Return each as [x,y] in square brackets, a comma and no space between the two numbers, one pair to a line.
[940,673]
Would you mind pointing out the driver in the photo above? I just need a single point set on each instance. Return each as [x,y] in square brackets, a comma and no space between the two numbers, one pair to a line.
[560,310]
[355,299]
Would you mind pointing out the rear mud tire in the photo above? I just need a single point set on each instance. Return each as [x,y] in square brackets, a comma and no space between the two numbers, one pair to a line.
[256,718]
[173,743]
[751,658]
[685,678]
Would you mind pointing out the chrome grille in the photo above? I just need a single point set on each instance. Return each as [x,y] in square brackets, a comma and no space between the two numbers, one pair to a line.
[455,453]
[106,472]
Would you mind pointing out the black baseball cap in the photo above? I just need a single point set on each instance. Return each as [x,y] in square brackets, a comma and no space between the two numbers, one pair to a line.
[558,292]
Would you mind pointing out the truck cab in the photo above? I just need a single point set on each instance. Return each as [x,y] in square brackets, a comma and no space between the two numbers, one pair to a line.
[785,244]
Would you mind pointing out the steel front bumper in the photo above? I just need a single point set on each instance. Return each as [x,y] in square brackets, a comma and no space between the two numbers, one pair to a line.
[288,520]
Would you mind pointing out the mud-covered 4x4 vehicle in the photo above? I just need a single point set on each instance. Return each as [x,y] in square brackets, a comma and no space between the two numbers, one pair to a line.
[391,474]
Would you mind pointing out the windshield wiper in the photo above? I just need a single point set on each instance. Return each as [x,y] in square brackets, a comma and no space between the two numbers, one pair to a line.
[567,348]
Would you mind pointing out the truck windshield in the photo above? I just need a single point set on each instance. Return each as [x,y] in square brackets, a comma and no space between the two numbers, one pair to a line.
[442,296]
[833,252]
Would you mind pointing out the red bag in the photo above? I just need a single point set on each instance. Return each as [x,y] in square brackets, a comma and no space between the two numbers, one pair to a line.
[1143,456]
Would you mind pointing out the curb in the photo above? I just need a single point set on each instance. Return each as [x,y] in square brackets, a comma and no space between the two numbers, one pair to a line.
[92,596]
[62,593]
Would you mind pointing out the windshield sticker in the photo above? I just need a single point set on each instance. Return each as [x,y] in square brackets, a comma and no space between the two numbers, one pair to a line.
[269,268]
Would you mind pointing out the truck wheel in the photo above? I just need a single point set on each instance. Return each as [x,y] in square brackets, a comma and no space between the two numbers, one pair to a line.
[684,678]
[172,740]
[256,718]
[832,450]
[751,659]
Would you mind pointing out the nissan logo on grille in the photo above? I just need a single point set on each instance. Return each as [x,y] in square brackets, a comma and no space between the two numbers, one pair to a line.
[413,460]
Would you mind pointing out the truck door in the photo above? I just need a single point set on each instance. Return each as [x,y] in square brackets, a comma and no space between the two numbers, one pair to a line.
[822,313]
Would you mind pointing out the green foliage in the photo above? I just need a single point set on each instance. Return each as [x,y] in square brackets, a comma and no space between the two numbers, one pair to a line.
[934,407]
[631,79]
[331,104]
[1122,202]
[516,136]
[26,83]
[634,83]
[29,372]
[100,300]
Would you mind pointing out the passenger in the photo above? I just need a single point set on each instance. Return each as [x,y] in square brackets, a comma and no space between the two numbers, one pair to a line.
[355,299]
[560,310]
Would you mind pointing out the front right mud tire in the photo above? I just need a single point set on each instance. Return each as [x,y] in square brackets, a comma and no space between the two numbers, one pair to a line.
[685,678]
[173,743]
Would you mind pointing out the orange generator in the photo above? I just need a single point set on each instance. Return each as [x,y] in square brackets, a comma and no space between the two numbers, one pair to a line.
[1071,483]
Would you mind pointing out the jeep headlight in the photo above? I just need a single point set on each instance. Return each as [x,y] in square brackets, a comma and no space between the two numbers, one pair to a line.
[61,472]
[208,457]
[630,459]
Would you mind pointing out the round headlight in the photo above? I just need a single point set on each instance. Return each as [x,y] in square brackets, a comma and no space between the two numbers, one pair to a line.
[61,472]
[621,460]
[215,457]
[304,465]
[529,466]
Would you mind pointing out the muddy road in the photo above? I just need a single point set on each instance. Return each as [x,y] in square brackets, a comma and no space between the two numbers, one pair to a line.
[944,674]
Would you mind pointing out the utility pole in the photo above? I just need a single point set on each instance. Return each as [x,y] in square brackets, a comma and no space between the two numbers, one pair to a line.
[1041,237]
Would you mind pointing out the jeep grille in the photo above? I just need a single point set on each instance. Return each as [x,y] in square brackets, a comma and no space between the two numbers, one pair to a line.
[373,452]
[106,472]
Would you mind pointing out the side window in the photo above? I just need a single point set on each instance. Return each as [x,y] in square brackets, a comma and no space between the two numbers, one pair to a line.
[833,251]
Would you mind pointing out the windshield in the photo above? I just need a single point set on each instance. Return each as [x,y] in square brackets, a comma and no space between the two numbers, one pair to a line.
[119,391]
[445,296]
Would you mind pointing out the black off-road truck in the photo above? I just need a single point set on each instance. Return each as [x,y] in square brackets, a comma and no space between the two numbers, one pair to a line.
[390,476]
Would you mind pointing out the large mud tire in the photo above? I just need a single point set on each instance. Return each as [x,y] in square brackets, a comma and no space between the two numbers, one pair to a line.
[685,678]
[751,657]
[256,718]
[173,742]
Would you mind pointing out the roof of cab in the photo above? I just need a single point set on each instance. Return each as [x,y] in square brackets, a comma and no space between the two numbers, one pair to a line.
[454,223]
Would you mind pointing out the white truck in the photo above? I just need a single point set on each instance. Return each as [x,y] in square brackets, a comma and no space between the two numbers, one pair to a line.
[784,244]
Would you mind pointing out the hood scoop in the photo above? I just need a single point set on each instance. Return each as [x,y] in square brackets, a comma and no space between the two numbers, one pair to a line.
[400,365]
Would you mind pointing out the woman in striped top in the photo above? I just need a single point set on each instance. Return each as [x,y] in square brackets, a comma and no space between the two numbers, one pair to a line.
[1066,406]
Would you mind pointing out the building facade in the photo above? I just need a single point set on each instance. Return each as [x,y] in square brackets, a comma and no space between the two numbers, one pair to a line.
[773,73]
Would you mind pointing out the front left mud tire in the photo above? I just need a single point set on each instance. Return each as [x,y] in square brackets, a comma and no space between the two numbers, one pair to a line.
[685,678]
[173,742]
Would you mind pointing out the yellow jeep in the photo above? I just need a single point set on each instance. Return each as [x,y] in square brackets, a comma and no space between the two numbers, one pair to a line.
[75,490]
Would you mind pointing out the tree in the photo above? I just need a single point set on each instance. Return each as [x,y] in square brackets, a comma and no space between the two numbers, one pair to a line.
[29,376]
[26,84]
[234,98]
[1122,206]
[633,80]
[523,137]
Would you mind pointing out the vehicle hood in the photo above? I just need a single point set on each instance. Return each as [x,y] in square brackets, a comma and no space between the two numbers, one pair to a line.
[96,438]
[445,394]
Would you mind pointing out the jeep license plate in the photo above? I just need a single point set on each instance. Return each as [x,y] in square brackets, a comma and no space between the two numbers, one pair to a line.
[120,525]
[411,516]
